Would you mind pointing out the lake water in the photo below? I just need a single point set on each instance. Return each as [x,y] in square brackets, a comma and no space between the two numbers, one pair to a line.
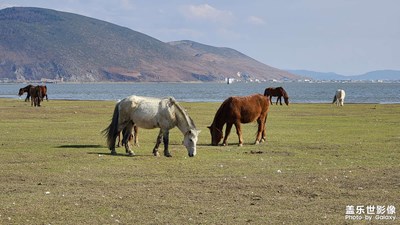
[384,93]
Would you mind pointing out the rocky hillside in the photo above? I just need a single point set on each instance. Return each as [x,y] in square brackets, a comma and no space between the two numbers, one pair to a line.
[38,43]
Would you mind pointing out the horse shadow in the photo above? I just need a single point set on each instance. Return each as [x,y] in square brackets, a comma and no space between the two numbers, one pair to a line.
[80,146]
[119,154]
[100,153]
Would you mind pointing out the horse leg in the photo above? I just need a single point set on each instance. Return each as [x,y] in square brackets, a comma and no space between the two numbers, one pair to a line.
[264,133]
[136,137]
[260,130]
[121,126]
[270,99]
[166,142]
[119,140]
[278,99]
[125,139]
[158,142]
[227,132]
[239,133]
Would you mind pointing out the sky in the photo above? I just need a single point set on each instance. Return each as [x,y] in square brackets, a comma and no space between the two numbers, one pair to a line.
[349,37]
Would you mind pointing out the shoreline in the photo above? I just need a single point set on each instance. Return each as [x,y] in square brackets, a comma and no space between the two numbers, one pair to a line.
[297,103]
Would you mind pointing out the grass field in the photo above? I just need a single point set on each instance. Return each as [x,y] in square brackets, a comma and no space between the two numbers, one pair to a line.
[318,159]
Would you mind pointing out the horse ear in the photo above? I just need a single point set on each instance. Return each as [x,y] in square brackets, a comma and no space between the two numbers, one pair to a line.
[209,127]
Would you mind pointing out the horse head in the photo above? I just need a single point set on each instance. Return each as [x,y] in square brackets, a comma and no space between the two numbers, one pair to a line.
[190,141]
[216,135]
[286,100]
[21,92]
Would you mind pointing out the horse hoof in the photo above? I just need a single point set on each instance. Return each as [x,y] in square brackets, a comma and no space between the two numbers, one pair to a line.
[113,152]
[156,154]
[257,142]
[167,155]
[240,145]
[131,154]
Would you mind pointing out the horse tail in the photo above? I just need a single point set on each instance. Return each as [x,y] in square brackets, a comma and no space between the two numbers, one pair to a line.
[111,132]
[45,92]
[334,99]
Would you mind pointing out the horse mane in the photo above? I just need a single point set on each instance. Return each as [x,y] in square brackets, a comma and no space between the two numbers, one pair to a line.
[285,95]
[220,111]
[183,112]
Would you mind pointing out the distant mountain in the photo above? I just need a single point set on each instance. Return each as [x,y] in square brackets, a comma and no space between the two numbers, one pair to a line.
[318,75]
[373,75]
[227,62]
[379,75]
[38,43]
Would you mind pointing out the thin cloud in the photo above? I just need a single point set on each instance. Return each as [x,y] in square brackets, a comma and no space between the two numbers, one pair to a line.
[255,20]
[7,5]
[127,5]
[207,12]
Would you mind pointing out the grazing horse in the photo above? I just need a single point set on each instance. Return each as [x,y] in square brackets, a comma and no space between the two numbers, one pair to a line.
[43,89]
[237,110]
[36,95]
[25,89]
[339,97]
[150,113]
[277,92]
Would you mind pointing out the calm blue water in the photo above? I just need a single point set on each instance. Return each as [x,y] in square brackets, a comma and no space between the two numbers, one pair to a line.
[217,92]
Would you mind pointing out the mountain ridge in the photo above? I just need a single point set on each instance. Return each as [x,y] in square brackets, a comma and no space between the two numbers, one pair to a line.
[372,75]
[37,43]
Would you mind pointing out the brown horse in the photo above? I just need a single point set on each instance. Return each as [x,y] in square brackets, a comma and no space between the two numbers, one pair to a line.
[43,89]
[237,110]
[277,92]
[25,89]
[35,93]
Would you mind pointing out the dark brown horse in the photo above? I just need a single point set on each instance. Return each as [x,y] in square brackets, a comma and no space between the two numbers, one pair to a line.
[277,92]
[36,95]
[43,89]
[237,110]
[25,89]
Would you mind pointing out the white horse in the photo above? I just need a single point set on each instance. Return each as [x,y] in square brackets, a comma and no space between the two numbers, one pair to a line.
[339,97]
[150,113]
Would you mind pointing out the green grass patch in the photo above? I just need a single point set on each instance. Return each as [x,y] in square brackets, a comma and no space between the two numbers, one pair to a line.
[318,158]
